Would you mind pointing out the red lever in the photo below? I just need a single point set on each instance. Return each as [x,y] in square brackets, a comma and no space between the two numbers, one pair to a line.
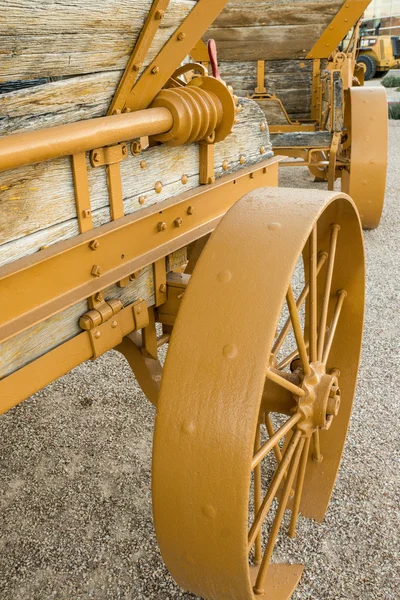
[212,53]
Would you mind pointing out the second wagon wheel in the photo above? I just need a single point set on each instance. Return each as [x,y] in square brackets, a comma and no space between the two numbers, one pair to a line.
[366,144]
[243,355]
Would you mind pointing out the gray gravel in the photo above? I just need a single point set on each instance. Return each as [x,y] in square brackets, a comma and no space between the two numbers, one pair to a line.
[75,476]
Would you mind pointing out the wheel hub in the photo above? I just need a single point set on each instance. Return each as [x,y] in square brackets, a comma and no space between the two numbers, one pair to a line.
[321,402]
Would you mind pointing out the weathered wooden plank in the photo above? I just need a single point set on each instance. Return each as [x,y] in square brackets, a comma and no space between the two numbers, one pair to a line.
[38,206]
[255,13]
[66,37]
[305,139]
[290,80]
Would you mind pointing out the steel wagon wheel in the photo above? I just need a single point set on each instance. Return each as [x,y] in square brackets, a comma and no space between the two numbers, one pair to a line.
[366,144]
[227,371]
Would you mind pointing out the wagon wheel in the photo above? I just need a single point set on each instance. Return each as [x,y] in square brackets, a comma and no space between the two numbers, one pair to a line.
[366,121]
[318,172]
[225,374]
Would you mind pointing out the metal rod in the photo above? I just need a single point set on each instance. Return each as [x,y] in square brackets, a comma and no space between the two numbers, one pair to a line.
[317,456]
[257,498]
[282,336]
[275,439]
[271,433]
[294,315]
[258,588]
[327,290]
[288,385]
[299,488]
[33,147]
[273,488]
[332,329]
[313,294]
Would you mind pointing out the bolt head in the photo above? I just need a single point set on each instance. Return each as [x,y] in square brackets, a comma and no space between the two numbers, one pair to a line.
[99,297]
[190,210]
[184,179]
[163,288]
[94,244]
[161,226]
[158,187]
[160,14]
[141,200]
[178,222]
[114,324]
[225,165]
[181,36]
[97,334]
[97,270]
[242,160]
[155,70]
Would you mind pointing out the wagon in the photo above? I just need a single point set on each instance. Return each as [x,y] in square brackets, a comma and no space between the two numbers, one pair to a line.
[138,211]
[291,58]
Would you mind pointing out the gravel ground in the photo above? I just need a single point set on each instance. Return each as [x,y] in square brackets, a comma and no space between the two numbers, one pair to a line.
[75,474]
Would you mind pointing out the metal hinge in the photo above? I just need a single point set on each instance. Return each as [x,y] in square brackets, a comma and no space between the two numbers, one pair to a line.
[104,325]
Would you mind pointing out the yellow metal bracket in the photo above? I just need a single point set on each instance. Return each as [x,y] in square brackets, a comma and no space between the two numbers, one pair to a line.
[108,155]
[150,28]
[178,46]
[349,14]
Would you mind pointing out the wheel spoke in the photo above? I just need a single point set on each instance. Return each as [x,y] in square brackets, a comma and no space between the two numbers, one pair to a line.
[285,383]
[286,361]
[317,456]
[257,498]
[294,315]
[258,588]
[327,290]
[332,329]
[274,440]
[271,433]
[299,488]
[300,301]
[273,488]
[313,294]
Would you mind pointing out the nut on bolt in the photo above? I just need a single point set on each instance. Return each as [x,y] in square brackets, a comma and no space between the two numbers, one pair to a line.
[163,288]
[178,222]
[94,244]
[161,226]
[190,210]
[96,270]
[136,148]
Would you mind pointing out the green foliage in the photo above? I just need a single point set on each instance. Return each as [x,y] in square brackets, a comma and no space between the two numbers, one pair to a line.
[394,110]
[391,81]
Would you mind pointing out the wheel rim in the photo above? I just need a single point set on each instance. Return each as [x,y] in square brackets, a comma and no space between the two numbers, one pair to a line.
[366,120]
[217,384]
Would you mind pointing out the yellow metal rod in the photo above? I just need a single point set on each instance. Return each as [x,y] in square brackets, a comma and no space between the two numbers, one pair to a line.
[313,295]
[327,290]
[32,147]
[257,499]
[299,488]
[285,383]
[271,433]
[294,315]
[332,330]
[275,439]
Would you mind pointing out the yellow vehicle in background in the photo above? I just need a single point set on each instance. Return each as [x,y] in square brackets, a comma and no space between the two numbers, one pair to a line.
[379,54]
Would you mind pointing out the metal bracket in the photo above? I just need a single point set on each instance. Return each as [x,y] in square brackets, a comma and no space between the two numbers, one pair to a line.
[104,326]
[109,155]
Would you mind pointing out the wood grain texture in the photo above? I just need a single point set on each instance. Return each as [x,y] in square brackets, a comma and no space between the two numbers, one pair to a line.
[71,37]
[305,139]
[290,80]
[270,30]
[37,203]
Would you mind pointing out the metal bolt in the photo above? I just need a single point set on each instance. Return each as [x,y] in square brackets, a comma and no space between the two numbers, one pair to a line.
[160,14]
[263,126]
[124,149]
[178,222]
[155,70]
[158,187]
[87,213]
[114,324]
[181,36]
[97,334]
[190,210]
[225,165]
[163,288]
[184,179]
[141,200]
[97,270]
[135,67]
[96,157]
[262,150]
[94,244]
[143,164]
[242,160]
[161,226]
[136,148]
[99,297]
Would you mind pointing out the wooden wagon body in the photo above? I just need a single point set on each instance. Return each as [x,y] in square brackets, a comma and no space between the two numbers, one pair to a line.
[118,159]
[290,58]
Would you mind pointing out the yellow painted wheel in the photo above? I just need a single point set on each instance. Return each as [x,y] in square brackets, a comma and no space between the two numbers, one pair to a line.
[245,356]
[366,121]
